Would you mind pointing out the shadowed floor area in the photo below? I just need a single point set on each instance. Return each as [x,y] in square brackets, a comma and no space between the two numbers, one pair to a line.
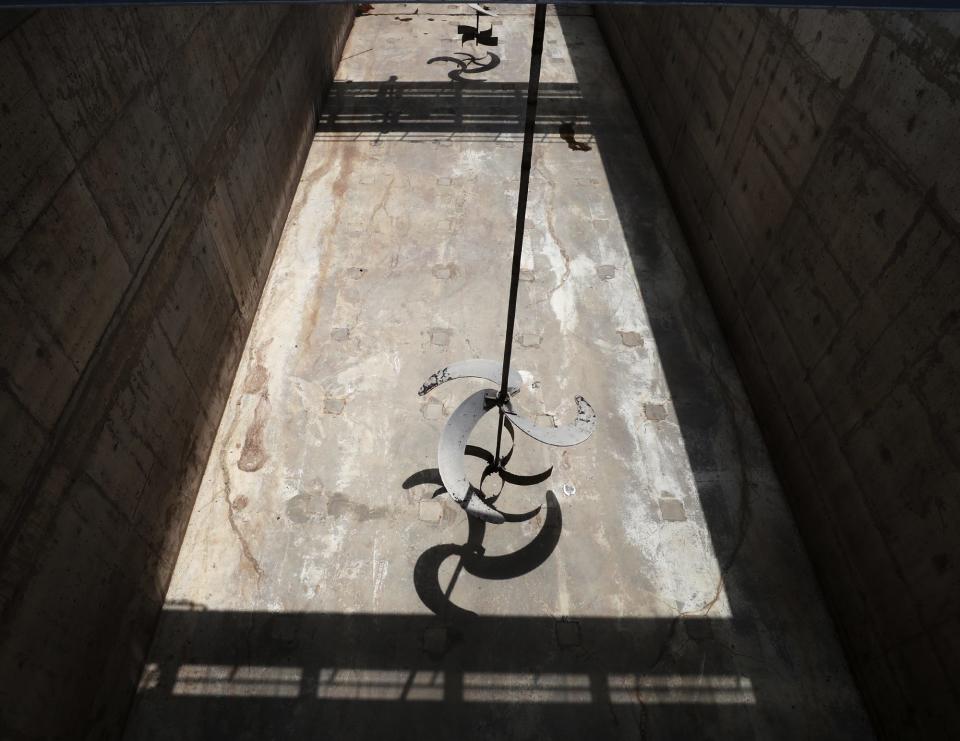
[327,588]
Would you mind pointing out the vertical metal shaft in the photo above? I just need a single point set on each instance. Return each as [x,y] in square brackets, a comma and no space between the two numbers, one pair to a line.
[530,122]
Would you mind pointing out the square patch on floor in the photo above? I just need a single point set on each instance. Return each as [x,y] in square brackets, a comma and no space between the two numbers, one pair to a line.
[431,511]
[433,409]
[333,406]
[655,412]
[440,337]
[671,510]
[606,272]
[631,339]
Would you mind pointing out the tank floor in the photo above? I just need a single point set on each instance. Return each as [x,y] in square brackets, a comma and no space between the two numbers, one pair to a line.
[325,589]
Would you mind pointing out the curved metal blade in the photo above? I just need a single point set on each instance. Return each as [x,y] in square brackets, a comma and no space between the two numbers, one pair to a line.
[480,9]
[490,370]
[452,449]
[561,437]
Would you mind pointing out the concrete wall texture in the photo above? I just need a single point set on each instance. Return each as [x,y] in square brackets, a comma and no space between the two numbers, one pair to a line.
[814,160]
[148,158]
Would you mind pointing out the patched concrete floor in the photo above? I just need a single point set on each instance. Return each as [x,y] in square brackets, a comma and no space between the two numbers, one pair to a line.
[324,590]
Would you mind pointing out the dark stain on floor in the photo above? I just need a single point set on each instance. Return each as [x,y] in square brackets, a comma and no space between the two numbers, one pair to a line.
[567,133]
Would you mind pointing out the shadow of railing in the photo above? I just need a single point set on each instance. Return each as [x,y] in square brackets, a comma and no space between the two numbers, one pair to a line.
[393,110]
[268,675]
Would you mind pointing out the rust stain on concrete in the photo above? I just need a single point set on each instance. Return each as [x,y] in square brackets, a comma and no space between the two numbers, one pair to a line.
[258,375]
[340,193]
[254,455]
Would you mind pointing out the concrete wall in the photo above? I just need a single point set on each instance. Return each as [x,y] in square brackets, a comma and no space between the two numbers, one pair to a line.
[814,159]
[147,161]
